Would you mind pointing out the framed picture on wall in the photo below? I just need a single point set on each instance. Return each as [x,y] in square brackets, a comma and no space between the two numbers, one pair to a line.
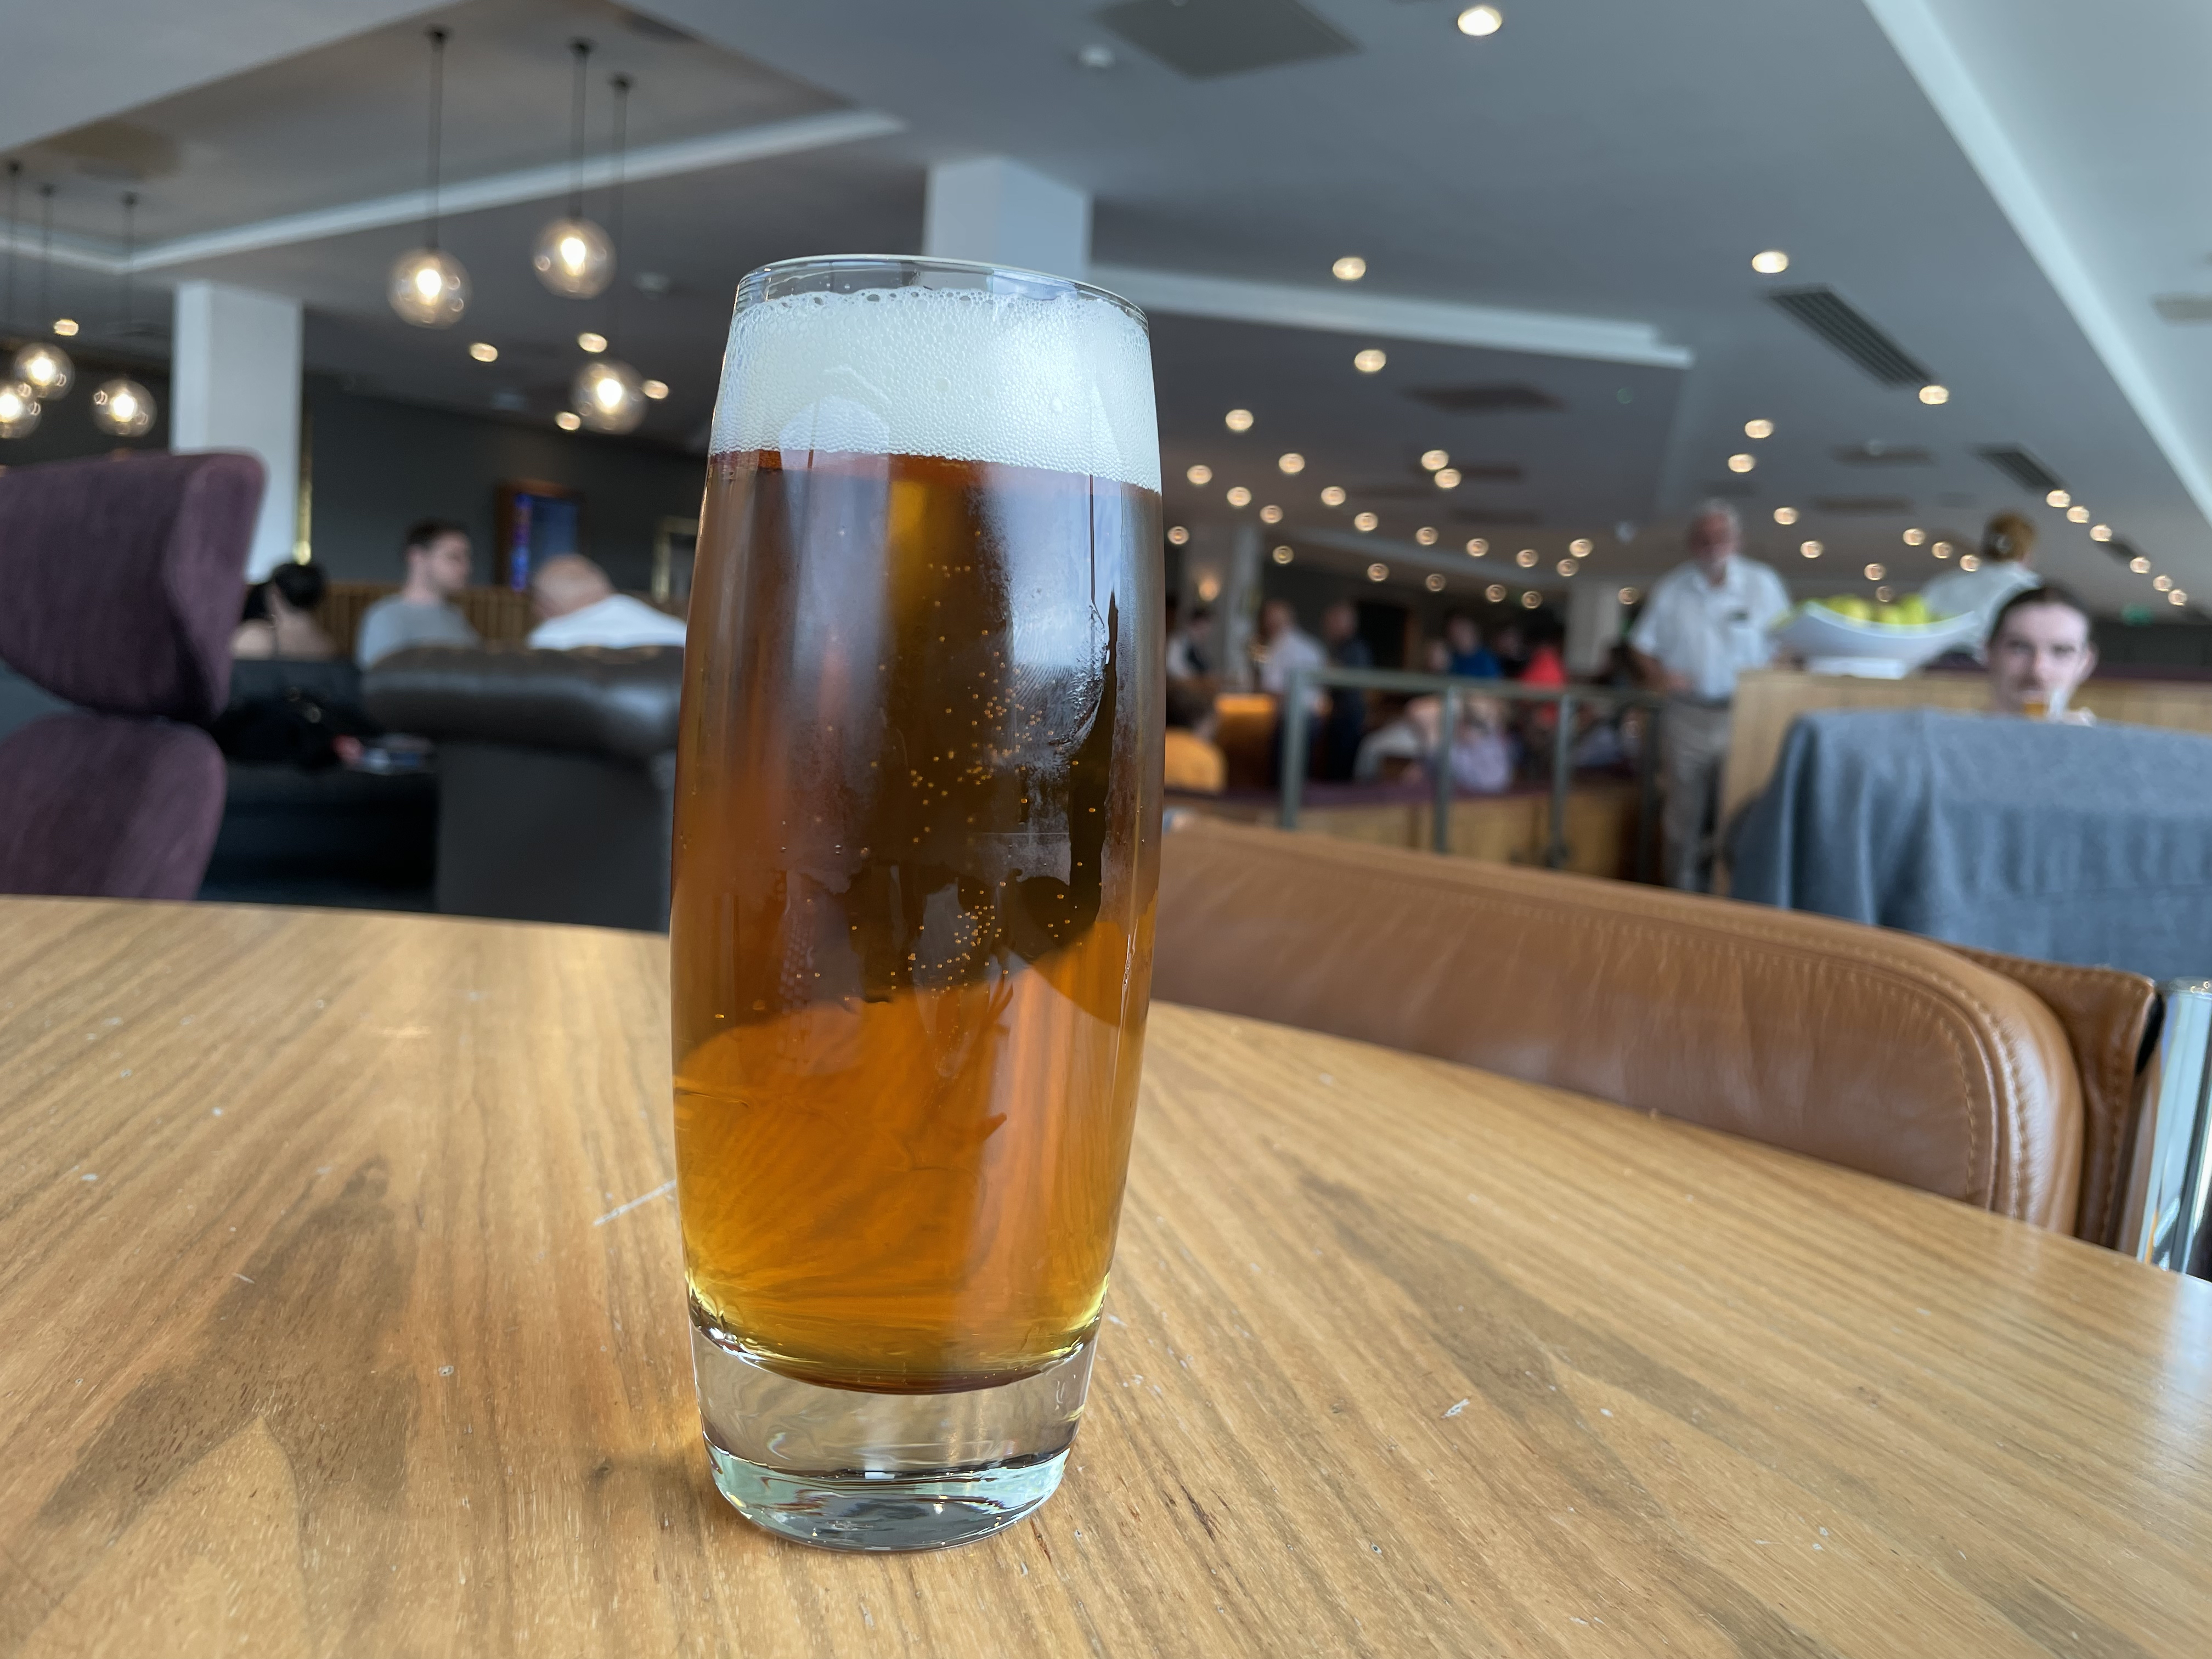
[534,521]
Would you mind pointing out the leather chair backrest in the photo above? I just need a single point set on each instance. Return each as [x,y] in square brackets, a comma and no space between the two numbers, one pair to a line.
[124,576]
[620,703]
[1866,1047]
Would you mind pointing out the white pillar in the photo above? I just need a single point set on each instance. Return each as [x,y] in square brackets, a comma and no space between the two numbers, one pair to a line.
[234,384]
[1001,212]
[1595,615]
[1236,617]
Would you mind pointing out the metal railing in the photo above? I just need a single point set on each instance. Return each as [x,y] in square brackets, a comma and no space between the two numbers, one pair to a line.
[1296,737]
[2167,1219]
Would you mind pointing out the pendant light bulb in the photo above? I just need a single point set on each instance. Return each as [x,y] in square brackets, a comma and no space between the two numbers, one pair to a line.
[19,411]
[429,288]
[123,407]
[44,367]
[608,396]
[575,259]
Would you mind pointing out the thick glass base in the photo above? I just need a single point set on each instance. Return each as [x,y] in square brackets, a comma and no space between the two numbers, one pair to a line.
[848,1469]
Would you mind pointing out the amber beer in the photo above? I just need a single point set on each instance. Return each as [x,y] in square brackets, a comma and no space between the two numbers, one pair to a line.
[916,839]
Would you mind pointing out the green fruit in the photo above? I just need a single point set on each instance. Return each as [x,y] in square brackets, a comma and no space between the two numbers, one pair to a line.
[1850,605]
[1911,611]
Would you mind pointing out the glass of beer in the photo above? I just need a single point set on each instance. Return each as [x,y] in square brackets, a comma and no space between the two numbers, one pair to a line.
[917,828]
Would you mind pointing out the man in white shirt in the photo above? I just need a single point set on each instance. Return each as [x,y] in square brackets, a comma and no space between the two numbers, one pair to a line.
[1284,647]
[580,607]
[1705,621]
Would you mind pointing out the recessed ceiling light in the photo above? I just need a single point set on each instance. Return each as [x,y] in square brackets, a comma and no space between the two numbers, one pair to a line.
[1915,535]
[2140,565]
[1237,420]
[1292,464]
[1477,546]
[1581,547]
[592,342]
[1970,561]
[1378,572]
[65,326]
[1209,587]
[1772,262]
[1177,535]
[1097,56]
[1370,361]
[2177,596]
[1426,535]
[1758,428]
[1874,573]
[1785,515]
[2161,583]
[1284,556]
[1942,549]
[1364,521]
[1628,596]
[1495,592]
[1447,477]
[1479,21]
[1742,463]
[1568,566]
[1531,599]
[1433,582]
[1526,558]
[1811,550]
[1332,496]
[1884,595]
[1349,269]
[655,390]
[1934,394]
[1239,496]
[1271,513]
[567,420]
[484,352]
[2059,498]
[2078,514]
[1201,475]
[1434,459]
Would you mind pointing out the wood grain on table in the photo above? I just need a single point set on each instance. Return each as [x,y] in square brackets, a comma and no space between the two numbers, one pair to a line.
[336,1326]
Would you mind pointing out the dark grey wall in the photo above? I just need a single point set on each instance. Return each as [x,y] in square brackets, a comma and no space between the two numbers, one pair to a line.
[379,465]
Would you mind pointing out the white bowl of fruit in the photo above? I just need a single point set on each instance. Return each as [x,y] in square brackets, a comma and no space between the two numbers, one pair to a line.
[1850,635]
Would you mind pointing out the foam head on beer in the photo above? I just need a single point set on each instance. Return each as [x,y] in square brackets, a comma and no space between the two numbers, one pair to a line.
[1061,384]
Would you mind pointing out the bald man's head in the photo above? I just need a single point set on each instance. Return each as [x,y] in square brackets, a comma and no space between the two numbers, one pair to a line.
[568,583]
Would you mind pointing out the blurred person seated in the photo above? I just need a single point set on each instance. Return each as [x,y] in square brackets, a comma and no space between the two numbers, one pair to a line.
[579,607]
[423,611]
[1546,664]
[1347,722]
[1435,657]
[1196,764]
[1465,654]
[1284,648]
[2040,653]
[1482,754]
[1190,644]
[279,619]
[2001,572]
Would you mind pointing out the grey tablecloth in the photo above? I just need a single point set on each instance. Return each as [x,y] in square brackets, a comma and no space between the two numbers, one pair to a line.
[2081,844]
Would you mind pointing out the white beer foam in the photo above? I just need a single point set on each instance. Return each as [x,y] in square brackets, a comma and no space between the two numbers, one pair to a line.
[1062,383]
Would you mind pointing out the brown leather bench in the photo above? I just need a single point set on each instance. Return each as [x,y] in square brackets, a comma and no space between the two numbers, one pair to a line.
[2001,1083]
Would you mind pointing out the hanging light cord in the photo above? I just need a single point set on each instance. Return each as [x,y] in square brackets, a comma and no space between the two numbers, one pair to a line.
[45,257]
[437,132]
[130,251]
[14,185]
[582,49]
[621,84]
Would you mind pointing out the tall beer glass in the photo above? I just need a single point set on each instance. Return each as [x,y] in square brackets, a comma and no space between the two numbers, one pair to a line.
[916,848]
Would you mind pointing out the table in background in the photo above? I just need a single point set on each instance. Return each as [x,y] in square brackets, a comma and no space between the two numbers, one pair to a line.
[345,1318]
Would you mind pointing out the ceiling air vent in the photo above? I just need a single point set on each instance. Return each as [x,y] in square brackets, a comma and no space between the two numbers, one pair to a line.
[1843,326]
[1204,38]
[2123,551]
[2183,308]
[1481,515]
[1507,399]
[1875,452]
[2022,468]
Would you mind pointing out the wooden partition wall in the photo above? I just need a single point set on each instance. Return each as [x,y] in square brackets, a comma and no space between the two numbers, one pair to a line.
[497,613]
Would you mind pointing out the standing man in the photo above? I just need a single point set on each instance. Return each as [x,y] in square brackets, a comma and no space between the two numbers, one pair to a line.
[1705,621]
[1347,706]
[423,611]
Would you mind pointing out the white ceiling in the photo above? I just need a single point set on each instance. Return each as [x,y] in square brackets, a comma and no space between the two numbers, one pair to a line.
[1608,158]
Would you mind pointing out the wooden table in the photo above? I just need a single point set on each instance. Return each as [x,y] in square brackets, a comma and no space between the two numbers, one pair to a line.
[344,1318]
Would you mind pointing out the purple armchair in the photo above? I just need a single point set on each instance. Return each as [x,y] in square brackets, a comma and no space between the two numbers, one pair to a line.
[119,587]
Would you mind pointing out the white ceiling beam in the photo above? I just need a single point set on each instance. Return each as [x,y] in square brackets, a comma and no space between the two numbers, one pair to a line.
[547,183]
[1230,299]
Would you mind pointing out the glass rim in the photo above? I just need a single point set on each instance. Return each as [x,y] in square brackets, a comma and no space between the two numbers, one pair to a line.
[751,287]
